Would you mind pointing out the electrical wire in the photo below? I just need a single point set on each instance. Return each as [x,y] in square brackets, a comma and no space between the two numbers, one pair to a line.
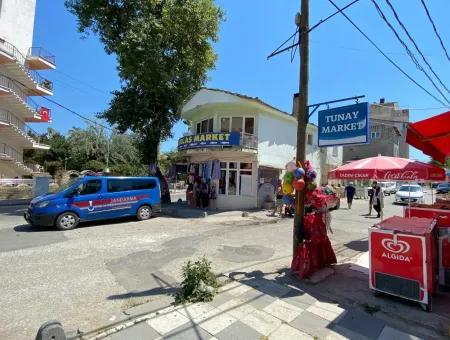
[408,51]
[434,28]
[388,58]
[415,44]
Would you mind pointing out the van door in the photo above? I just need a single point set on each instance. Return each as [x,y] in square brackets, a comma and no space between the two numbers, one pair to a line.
[89,199]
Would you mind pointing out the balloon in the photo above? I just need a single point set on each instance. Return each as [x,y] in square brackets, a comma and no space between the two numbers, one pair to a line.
[288,200]
[291,166]
[287,188]
[299,173]
[311,174]
[288,177]
[299,184]
[312,186]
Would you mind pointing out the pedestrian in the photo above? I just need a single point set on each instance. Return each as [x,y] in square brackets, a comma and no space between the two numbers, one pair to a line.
[350,193]
[378,199]
[213,196]
[196,192]
[204,194]
[370,193]
[279,202]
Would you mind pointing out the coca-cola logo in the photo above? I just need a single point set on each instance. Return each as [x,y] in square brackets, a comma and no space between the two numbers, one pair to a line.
[405,175]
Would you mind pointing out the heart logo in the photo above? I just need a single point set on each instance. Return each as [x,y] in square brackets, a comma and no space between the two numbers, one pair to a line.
[395,247]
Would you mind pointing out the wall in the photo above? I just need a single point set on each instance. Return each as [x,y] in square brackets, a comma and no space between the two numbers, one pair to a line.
[17,22]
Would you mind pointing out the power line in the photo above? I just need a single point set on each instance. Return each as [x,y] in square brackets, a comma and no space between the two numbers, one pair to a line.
[435,29]
[415,44]
[410,54]
[387,57]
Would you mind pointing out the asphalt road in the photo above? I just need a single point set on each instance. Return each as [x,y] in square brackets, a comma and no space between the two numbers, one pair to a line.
[87,276]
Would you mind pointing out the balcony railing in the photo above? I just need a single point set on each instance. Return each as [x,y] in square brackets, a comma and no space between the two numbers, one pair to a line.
[11,50]
[9,118]
[42,53]
[12,86]
[249,141]
[11,152]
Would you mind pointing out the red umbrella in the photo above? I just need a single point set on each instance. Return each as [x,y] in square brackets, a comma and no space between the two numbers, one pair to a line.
[388,168]
[432,136]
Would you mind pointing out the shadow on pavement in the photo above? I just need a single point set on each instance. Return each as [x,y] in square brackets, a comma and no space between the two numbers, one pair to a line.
[26,228]
[358,245]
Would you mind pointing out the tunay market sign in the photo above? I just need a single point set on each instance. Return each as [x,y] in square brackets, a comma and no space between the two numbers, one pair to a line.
[344,125]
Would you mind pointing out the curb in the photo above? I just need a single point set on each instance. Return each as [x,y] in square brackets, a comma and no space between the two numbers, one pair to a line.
[7,203]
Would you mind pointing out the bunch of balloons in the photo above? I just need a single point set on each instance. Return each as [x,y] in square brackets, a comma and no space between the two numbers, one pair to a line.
[297,178]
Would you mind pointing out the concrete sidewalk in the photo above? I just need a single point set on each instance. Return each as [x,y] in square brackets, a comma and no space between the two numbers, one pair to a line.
[256,306]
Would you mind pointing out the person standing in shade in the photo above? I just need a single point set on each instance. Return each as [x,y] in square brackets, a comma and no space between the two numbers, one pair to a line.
[279,202]
[378,199]
[204,194]
[370,193]
[350,193]
[213,196]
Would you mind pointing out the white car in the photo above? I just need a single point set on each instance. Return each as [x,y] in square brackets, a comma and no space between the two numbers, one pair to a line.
[388,187]
[409,193]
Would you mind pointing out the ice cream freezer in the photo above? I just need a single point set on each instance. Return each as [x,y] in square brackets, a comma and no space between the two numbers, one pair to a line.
[403,258]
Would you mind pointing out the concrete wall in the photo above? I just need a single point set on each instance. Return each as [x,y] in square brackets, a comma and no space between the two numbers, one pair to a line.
[17,23]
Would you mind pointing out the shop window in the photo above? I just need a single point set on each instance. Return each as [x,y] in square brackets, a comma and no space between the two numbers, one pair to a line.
[235,178]
[223,182]
[249,125]
[335,151]
[375,135]
[232,182]
[236,124]
[205,126]
[309,139]
[225,124]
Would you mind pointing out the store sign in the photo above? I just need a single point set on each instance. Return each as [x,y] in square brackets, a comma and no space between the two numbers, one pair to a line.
[344,125]
[209,140]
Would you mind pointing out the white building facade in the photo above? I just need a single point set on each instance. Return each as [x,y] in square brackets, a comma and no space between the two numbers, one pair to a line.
[20,84]
[245,144]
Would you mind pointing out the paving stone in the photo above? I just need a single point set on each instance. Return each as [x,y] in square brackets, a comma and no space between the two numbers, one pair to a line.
[239,331]
[326,314]
[362,323]
[330,307]
[298,298]
[167,320]
[273,289]
[348,334]
[220,299]
[151,306]
[263,322]
[214,321]
[229,286]
[191,311]
[389,333]
[257,299]
[189,331]
[137,332]
[283,310]
[285,332]
[332,335]
[239,290]
[237,308]
[312,324]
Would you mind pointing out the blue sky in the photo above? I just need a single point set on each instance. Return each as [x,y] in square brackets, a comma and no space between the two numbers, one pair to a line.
[342,62]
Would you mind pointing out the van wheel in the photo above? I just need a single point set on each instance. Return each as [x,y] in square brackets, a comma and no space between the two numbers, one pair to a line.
[67,221]
[144,213]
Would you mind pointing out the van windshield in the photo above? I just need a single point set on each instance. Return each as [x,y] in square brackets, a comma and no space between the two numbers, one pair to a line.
[67,185]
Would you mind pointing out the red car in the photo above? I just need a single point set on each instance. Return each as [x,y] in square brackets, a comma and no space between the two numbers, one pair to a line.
[323,196]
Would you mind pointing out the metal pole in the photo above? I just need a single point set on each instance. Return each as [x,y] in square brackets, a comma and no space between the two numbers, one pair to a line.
[302,119]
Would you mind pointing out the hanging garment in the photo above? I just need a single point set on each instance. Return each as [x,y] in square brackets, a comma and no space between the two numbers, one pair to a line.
[215,173]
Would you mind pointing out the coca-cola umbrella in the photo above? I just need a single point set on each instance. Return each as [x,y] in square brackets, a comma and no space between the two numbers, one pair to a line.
[432,136]
[388,168]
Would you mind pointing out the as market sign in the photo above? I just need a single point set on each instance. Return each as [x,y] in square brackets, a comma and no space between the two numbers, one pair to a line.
[209,140]
[344,125]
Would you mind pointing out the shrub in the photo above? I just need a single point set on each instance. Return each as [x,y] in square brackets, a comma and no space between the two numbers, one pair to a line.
[23,187]
[52,187]
[199,282]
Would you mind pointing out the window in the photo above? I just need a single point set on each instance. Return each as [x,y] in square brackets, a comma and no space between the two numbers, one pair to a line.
[204,126]
[225,124]
[235,178]
[335,151]
[236,124]
[375,135]
[310,139]
[249,126]
[92,186]
[128,184]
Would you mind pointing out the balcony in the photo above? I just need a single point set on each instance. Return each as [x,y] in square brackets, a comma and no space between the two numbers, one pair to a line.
[15,129]
[219,140]
[13,64]
[40,59]
[14,159]
[15,98]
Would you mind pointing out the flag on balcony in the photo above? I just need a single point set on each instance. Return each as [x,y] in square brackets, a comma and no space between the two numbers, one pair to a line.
[45,114]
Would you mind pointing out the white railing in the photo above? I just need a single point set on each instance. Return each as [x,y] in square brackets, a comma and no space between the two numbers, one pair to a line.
[10,152]
[12,86]
[9,118]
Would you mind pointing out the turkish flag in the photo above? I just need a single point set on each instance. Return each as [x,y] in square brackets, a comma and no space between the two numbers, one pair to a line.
[45,114]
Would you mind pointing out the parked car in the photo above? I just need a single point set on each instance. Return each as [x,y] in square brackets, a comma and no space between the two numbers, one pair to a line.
[90,198]
[443,188]
[409,193]
[388,187]
[330,196]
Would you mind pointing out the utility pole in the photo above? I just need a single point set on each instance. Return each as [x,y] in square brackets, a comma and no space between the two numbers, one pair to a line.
[302,117]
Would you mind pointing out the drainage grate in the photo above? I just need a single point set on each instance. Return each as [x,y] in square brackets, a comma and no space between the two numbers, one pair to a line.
[398,286]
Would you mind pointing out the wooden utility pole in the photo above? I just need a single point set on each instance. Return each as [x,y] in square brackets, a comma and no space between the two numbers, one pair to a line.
[302,118]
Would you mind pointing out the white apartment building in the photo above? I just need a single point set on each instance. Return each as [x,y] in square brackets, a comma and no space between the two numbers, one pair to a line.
[248,142]
[20,85]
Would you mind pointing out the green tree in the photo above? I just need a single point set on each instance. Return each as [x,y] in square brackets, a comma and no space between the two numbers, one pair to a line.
[164,50]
